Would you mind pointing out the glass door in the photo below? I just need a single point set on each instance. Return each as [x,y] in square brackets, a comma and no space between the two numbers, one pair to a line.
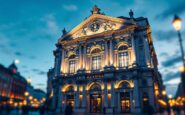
[125,102]
[70,100]
[95,103]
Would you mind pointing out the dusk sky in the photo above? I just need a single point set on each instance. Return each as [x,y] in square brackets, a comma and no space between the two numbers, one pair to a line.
[29,30]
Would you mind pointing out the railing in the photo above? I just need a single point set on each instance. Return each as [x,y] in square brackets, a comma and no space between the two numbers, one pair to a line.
[108,68]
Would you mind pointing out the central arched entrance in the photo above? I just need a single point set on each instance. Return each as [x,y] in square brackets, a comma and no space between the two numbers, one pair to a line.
[95,98]
[124,97]
[70,96]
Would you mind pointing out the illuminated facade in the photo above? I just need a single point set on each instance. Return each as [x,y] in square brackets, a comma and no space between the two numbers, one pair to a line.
[106,62]
[12,85]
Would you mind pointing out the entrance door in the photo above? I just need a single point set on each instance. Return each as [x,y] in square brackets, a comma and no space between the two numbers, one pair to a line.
[95,103]
[70,100]
[125,102]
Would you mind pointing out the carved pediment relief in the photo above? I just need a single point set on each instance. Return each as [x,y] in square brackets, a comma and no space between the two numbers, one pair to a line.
[95,24]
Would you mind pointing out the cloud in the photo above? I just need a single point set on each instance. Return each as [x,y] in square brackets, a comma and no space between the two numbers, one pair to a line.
[165,35]
[173,82]
[51,28]
[18,54]
[32,57]
[171,75]
[41,73]
[164,54]
[4,48]
[70,7]
[35,70]
[40,84]
[172,61]
[24,66]
[170,11]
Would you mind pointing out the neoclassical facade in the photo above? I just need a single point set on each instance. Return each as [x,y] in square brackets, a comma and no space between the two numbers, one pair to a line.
[106,63]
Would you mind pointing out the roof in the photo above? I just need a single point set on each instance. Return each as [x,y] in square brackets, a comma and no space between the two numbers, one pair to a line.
[11,73]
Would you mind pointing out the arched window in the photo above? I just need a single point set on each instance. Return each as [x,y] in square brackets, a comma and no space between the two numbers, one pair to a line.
[70,89]
[95,87]
[96,59]
[123,56]
[124,85]
[72,64]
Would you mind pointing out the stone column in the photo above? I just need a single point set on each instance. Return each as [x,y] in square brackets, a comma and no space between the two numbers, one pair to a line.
[59,105]
[112,95]
[118,96]
[137,108]
[84,96]
[55,98]
[106,54]
[84,57]
[77,97]
[105,94]
[64,102]
[62,61]
[117,59]
[58,56]
[133,56]
[80,57]
[53,101]
[151,92]
[111,53]
[90,63]
[131,100]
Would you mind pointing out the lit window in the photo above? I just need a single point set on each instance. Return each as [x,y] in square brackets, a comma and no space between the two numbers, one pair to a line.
[123,59]
[96,62]
[72,66]
[96,59]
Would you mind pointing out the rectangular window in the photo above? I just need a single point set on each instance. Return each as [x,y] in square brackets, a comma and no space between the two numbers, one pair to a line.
[72,66]
[96,62]
[123,59]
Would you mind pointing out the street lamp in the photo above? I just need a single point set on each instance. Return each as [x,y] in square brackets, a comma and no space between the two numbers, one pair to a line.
[26,93]
[170,96]
[177,24]
[163,92]
[30,98]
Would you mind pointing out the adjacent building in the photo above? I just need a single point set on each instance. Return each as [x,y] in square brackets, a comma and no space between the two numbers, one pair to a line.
[12,84]
[106,63]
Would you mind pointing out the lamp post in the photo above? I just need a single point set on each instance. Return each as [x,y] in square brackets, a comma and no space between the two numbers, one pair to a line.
[26,95]
[177,24]
[164,93]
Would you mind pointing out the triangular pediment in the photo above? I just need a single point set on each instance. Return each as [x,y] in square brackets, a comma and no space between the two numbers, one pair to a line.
[95,24]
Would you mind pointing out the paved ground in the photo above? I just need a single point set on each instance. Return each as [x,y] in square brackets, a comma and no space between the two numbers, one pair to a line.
[52,113]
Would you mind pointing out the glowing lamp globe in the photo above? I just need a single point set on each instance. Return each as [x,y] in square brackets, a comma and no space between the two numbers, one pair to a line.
[177,23]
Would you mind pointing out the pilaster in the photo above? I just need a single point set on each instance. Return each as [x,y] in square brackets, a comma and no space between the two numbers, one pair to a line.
[112,95]
[137,108]
[84,96]
[59,105]
[84,57]
[105,94]
[111,53]
[106,53]
[77,98]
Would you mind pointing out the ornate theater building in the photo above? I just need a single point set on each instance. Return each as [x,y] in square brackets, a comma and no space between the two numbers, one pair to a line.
[106,64]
